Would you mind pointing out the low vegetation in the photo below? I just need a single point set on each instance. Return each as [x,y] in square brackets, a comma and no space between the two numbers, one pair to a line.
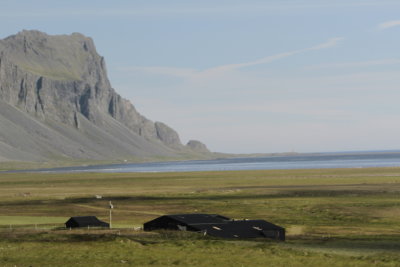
[336,217]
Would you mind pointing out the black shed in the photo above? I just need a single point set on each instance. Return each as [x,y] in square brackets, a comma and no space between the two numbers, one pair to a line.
[217,225]
[183,221]
[85,221]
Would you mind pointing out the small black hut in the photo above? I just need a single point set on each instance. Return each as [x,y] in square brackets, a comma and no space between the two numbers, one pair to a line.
[217,225]
[85,221]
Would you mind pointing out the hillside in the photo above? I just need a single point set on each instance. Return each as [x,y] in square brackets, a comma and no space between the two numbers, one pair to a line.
[56,103]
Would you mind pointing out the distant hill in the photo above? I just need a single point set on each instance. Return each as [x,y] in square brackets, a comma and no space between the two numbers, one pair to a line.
[56,103]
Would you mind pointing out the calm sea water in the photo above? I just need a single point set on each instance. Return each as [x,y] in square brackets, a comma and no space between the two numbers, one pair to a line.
[303,161]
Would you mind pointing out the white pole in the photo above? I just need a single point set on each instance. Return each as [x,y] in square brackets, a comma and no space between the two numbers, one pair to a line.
[110,218]
[111,207]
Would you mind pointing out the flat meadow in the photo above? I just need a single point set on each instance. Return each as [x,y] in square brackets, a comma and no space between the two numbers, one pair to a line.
[333,217]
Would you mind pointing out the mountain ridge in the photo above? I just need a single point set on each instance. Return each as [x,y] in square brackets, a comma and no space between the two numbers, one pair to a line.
[60,84]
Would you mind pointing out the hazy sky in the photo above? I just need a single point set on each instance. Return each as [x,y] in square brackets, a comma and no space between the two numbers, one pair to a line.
[245,76]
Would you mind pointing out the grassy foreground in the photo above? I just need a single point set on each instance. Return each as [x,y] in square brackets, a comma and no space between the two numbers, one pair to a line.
[337,217]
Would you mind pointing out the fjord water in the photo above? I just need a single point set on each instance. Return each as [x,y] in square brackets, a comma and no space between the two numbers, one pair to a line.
[301,161]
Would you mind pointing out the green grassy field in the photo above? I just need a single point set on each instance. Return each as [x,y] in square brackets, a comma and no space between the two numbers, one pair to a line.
[333,217]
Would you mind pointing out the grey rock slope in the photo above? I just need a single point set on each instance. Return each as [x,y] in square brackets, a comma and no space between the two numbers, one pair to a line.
[198,146]
[56,102]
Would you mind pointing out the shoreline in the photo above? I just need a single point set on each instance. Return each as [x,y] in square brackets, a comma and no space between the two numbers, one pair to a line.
[282,162]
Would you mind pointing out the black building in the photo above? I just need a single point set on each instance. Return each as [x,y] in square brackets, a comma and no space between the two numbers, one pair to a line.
[217,225]
[85,221]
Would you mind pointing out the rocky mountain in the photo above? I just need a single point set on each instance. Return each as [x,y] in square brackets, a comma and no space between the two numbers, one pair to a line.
[197,146]
[57,103]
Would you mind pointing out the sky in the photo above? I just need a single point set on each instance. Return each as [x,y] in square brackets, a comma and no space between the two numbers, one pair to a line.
[245,76]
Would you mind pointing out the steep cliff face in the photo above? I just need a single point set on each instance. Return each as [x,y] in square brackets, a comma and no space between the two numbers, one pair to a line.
[61,79]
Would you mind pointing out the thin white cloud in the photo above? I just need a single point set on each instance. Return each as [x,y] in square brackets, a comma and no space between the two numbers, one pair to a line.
[388,24]
[188,73]
[264,60]
[330,43]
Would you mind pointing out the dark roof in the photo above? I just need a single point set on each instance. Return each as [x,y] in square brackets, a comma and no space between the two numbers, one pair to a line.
[217,225]
[84,221]
[198,218]
[261,224]
[238,229]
